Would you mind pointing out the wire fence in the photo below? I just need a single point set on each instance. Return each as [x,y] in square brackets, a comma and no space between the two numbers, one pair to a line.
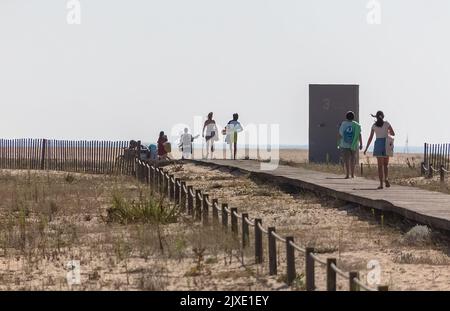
[201,208]
[437,155]
[96,157]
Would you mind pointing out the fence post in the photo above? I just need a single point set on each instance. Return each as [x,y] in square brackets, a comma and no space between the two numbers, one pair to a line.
[362,169]
[215,212]
[183,196]
[171,188]
[234,221]
[244,230]
[442,173]
[162,181]
[136,169]
[198,205]
[422,169]
[177,191]
[167,185]
[147,174]
[430,170]
[309,267]
[155,180]
[224,216]
[272,252]
[331,275]
[258,242]
[190,200]
[353,286]
[150,177]
[44,147]
[205,209]
[290,260]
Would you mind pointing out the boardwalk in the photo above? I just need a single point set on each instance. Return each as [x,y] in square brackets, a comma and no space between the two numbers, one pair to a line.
[421,206]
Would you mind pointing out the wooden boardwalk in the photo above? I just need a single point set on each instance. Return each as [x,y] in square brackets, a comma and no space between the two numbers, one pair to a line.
[418,205]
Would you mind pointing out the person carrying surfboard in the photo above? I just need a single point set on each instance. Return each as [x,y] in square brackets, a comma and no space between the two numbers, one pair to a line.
[350,136]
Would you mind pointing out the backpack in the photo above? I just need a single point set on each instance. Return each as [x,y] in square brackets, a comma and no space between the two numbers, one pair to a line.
[349,134]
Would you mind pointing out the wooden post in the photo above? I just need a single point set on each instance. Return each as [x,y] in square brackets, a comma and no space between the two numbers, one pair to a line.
[157,181]
[362,169]
[442,173]
[234,221]
[183,196]
[272,252]
[352,285]
[258,242]
[224,216]
[245,232]
[162,181]
[171,188]
[190,201]
[44,147]
[422,169]
[198,205]
[205,210]
[290,261]
[150,178]
[430,170]
[166,185]
[331,275]
[310,267]
[215,211]
[177,192]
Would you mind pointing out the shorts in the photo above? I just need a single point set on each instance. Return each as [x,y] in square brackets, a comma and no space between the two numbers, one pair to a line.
[379,149]
[348,153]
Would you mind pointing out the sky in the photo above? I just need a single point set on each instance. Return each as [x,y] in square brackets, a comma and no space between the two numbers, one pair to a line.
[135,67]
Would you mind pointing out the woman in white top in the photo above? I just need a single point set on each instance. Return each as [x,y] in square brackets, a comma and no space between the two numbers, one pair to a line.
[211,134]
[382,129]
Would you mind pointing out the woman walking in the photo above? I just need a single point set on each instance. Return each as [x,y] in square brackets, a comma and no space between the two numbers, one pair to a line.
[382,148]
[211,134]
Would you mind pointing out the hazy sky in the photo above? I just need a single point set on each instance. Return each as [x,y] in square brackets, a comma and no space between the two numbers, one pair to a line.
[134,67]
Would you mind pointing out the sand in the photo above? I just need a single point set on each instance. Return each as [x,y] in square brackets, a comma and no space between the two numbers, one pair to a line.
[128,257]
[350,234]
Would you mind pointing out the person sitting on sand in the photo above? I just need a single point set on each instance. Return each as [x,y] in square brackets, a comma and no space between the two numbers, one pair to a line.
[231,131]
[382,129]
[211,134]
[349,136]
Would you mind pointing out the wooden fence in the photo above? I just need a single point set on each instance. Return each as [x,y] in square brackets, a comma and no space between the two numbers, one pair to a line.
[209,212]
[96,157]
[436,160]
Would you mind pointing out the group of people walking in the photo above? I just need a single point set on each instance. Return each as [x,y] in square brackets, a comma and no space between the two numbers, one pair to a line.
[210,133]
[350,138]
[349,141]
